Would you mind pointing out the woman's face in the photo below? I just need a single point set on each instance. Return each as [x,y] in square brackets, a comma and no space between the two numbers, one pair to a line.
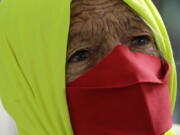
[97,26]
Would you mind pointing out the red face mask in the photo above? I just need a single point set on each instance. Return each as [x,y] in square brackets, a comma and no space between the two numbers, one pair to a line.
[126,93]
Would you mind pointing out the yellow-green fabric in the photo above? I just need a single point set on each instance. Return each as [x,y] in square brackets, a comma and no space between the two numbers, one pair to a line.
[170,132]
[33,43]
[33,40]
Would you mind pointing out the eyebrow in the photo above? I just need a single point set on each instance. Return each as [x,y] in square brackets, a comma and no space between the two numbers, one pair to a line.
[141,31]
[132,29]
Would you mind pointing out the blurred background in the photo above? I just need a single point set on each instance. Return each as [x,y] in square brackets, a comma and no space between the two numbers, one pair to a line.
[170,12]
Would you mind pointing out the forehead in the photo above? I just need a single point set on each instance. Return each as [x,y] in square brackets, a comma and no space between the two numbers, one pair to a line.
[94,5]
[99,17]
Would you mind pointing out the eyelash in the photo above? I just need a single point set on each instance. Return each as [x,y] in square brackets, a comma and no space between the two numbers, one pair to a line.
[140,40]
[83,54]
[76,56]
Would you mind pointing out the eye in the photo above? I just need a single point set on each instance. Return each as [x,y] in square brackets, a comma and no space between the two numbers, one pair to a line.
[79,56]
[140,40]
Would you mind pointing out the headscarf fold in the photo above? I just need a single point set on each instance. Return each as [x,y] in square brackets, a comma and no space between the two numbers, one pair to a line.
[33,42]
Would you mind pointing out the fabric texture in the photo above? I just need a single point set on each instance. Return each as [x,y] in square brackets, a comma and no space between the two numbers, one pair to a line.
[126,93]
[33,44]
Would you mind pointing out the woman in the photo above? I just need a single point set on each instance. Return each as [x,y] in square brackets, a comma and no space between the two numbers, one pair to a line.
[33,55]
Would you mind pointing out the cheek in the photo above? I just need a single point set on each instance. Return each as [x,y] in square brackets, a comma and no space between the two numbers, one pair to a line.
[152,51]
[75,70]
[147,49]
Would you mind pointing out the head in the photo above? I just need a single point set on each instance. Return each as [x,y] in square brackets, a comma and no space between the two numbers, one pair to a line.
[97,26]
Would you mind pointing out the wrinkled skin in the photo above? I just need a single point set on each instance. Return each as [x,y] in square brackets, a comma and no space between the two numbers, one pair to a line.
[97,26]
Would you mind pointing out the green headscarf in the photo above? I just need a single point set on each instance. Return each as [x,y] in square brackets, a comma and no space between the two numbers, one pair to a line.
[33,44]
